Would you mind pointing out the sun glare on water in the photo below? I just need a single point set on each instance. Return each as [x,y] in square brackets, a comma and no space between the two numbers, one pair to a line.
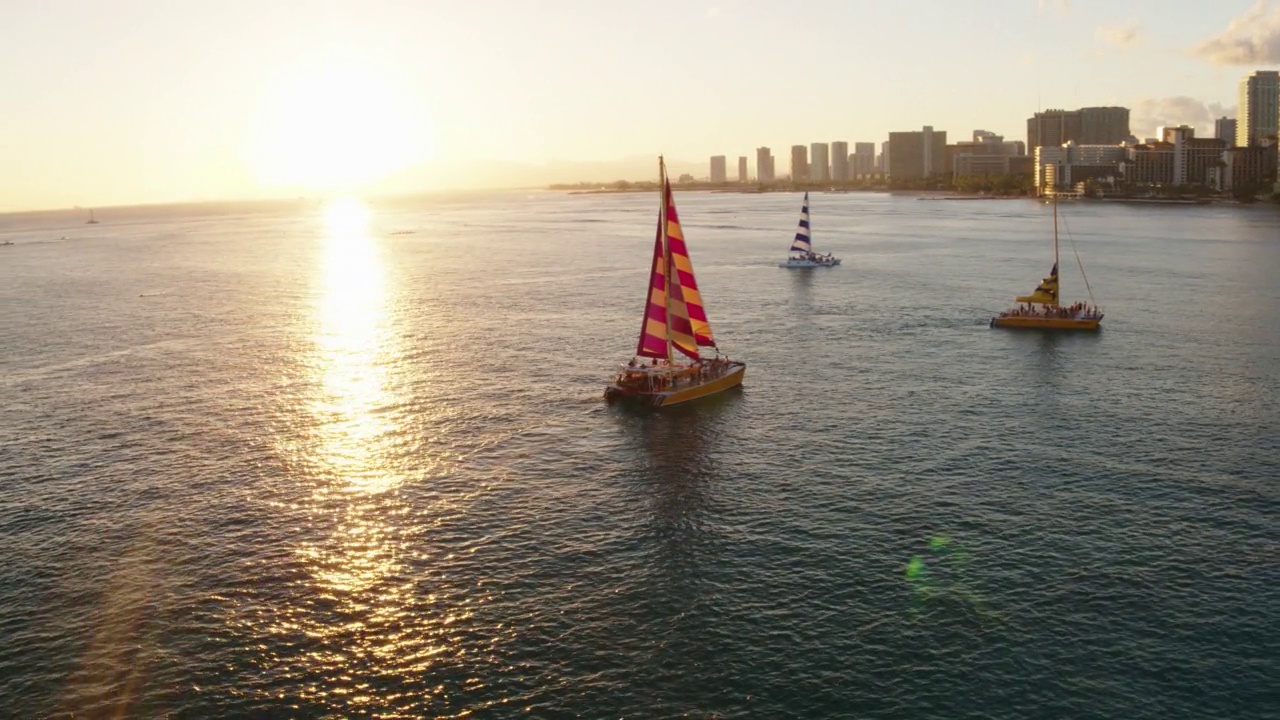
[337,128]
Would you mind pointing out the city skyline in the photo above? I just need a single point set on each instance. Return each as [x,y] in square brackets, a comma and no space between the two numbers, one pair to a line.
[162,102]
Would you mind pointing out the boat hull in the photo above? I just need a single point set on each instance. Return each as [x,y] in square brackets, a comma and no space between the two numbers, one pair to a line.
[808,264]
[730,379]
[1022,322]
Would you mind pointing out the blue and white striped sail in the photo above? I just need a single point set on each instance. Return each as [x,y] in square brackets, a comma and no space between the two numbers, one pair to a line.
[801,243]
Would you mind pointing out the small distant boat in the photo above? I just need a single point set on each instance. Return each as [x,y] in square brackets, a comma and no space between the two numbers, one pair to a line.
[6,242]
[802,254]
[92,220]
[1041,310]
[674,328]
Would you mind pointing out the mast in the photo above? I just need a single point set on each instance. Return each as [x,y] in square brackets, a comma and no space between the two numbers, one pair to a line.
[1055,244]
[666,253]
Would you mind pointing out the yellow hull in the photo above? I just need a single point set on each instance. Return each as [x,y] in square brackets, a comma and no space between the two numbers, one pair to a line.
[1023,322]
[731,379]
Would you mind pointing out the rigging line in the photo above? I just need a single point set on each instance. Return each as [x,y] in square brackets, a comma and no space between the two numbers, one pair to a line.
[1072,240]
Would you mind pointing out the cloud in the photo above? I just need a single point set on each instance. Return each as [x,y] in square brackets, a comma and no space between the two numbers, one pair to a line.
[1251,39]
[1121,37]
[1151,113]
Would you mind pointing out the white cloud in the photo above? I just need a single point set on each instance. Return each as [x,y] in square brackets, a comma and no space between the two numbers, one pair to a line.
[1251,39]
[1121,37]
[1150,113]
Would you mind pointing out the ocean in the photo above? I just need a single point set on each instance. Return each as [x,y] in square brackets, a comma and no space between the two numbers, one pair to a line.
[351,459]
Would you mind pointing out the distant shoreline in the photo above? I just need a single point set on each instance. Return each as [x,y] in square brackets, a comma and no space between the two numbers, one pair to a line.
[761,191]
[919,194]
[940,194]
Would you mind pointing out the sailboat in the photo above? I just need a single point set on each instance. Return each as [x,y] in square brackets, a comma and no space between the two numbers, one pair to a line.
[1042,310]
[92,220]
[669,367]
[802,254]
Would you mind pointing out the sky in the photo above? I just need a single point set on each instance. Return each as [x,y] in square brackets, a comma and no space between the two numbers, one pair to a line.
[138,101]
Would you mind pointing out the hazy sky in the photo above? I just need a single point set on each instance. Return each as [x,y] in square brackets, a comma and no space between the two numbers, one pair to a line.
[124,101]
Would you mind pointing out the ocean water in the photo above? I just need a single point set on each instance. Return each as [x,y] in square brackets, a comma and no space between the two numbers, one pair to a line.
[307,460]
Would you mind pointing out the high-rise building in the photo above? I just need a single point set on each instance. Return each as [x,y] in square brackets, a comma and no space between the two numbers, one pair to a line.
[864,160]
[1224,128]
[1246,168]
[1052,128]
[884,158]
[819,165]
[742,169]
[764,165]
[987,154]
[1103,125]
[1064,165]
[1177,136]
[799,164]
[1193,157]
[917,154]
[718,174]
[1086,126]
[1259,112]
[1150,164]
[840,161]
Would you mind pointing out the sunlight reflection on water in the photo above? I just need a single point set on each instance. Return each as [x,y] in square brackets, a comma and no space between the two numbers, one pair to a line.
[361,603]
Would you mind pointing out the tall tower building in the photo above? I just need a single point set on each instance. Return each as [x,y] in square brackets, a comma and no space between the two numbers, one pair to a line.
[917,154]
[1052,128]
[840,161]
[1225,129]
[742,169]
[1103,126]
[764,165]
[799,164]
[819,164]
[864,159]
[1177,136]
[718,174]
[1259,112]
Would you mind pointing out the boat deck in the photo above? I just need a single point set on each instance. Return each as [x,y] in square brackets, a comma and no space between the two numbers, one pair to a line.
[664,385]
[1034,322]
[796,263]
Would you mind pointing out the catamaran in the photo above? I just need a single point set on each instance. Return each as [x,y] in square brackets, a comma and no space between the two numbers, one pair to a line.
[674,328]
[1041,309]
[802,254]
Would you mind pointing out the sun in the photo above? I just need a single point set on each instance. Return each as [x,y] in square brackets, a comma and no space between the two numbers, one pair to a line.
[346,218]
[337,127]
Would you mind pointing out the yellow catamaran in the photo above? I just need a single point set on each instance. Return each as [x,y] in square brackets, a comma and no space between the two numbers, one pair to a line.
[669,367]
[1041,310]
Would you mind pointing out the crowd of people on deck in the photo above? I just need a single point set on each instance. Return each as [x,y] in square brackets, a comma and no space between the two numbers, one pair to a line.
[686,376]
[1075,311]
[813,257]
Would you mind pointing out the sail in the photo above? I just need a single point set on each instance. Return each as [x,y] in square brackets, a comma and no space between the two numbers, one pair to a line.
[684,299]
[1046,292]
[801,243]
[653,329]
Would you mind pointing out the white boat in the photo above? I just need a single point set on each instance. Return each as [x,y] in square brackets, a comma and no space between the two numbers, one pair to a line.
[802,254]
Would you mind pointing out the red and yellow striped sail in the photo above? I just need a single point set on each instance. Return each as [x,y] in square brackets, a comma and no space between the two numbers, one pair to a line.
[683,276]
[674,313]
[653,329]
